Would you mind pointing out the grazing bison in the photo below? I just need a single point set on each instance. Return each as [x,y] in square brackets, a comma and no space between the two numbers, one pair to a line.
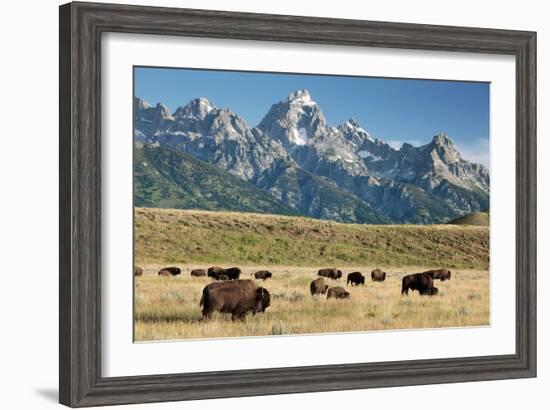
[224,274]
[377,275]
[262,274]
[355,278]
[441,274]
[237,297]
[169,271]
[338,293]
[331,273]
[318,287]
[422,282]
[138,271]
[232,273]
[198,272]
[214,272]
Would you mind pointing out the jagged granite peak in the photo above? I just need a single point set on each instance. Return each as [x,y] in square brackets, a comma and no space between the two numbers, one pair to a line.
[445,150]
[197,108]
[353,132]
[162,112]
[141,104]
[301,97]
[295,120]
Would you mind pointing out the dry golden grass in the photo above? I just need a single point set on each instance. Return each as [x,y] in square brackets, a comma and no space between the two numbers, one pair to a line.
[168,308]
[294,248]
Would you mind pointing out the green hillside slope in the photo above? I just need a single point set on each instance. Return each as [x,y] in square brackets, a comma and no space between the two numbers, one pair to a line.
[176,236]
[167,179]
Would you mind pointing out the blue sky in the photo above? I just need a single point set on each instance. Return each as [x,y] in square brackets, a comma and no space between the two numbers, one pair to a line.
[394,110]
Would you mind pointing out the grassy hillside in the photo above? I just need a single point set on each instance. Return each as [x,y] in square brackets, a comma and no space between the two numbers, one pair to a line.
[475,218]
[186,236]
[169,179]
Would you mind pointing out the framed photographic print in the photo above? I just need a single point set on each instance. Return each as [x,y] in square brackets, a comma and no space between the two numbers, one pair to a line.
[356,198]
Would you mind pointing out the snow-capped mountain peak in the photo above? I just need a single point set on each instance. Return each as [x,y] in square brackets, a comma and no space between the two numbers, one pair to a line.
[301,97]
[294,121]
[197,108]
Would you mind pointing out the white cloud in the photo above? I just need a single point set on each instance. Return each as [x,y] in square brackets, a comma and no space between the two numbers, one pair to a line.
[395,144]
[477,151]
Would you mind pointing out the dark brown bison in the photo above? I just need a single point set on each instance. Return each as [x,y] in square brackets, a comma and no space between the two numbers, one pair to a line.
[318,287]
[331,273]
[138,271]
[237,297]
[441,274]
[224,274]
[198,272]
[232,273]
[263,274]
[422,282]
[355,278]
[338,293]
[377,275]
[169,271]
[214,272]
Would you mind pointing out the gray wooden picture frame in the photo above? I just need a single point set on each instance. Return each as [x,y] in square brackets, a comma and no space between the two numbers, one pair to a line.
[81,28]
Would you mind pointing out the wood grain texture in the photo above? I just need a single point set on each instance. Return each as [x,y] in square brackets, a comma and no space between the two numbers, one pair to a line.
[81,26]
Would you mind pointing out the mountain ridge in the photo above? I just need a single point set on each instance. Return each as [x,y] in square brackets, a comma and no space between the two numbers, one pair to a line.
[431,183]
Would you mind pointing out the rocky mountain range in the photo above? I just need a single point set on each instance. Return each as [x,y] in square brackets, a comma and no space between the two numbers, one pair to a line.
[300,164]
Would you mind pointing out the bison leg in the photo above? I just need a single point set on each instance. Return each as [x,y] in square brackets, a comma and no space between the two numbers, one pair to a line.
[206,313]
[238,315]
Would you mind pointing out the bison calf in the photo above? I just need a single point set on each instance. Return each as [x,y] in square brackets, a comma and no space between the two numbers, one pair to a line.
[377,275]
[318,287]
[331,273]
[338,293]
[441,274]
[355,278]
[237,297]
[421,282]
[262,274]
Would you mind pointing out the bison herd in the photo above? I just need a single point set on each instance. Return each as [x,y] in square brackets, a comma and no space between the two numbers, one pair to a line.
[230,294]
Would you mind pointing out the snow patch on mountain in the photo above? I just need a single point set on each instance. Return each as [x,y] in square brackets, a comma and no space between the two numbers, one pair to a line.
[368,155]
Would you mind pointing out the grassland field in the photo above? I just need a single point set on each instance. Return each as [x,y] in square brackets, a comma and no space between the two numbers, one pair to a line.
[293,249]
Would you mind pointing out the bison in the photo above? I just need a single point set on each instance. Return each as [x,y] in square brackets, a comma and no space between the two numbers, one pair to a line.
[214,272]
[198,272]
[138,271]
[262,274]
[169,271]
[318,287]
[232,273]
[237,297]
[355,278]
[338,292]
[441,274]
[224,274]
[422,282]
[331,273]
[377,275]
